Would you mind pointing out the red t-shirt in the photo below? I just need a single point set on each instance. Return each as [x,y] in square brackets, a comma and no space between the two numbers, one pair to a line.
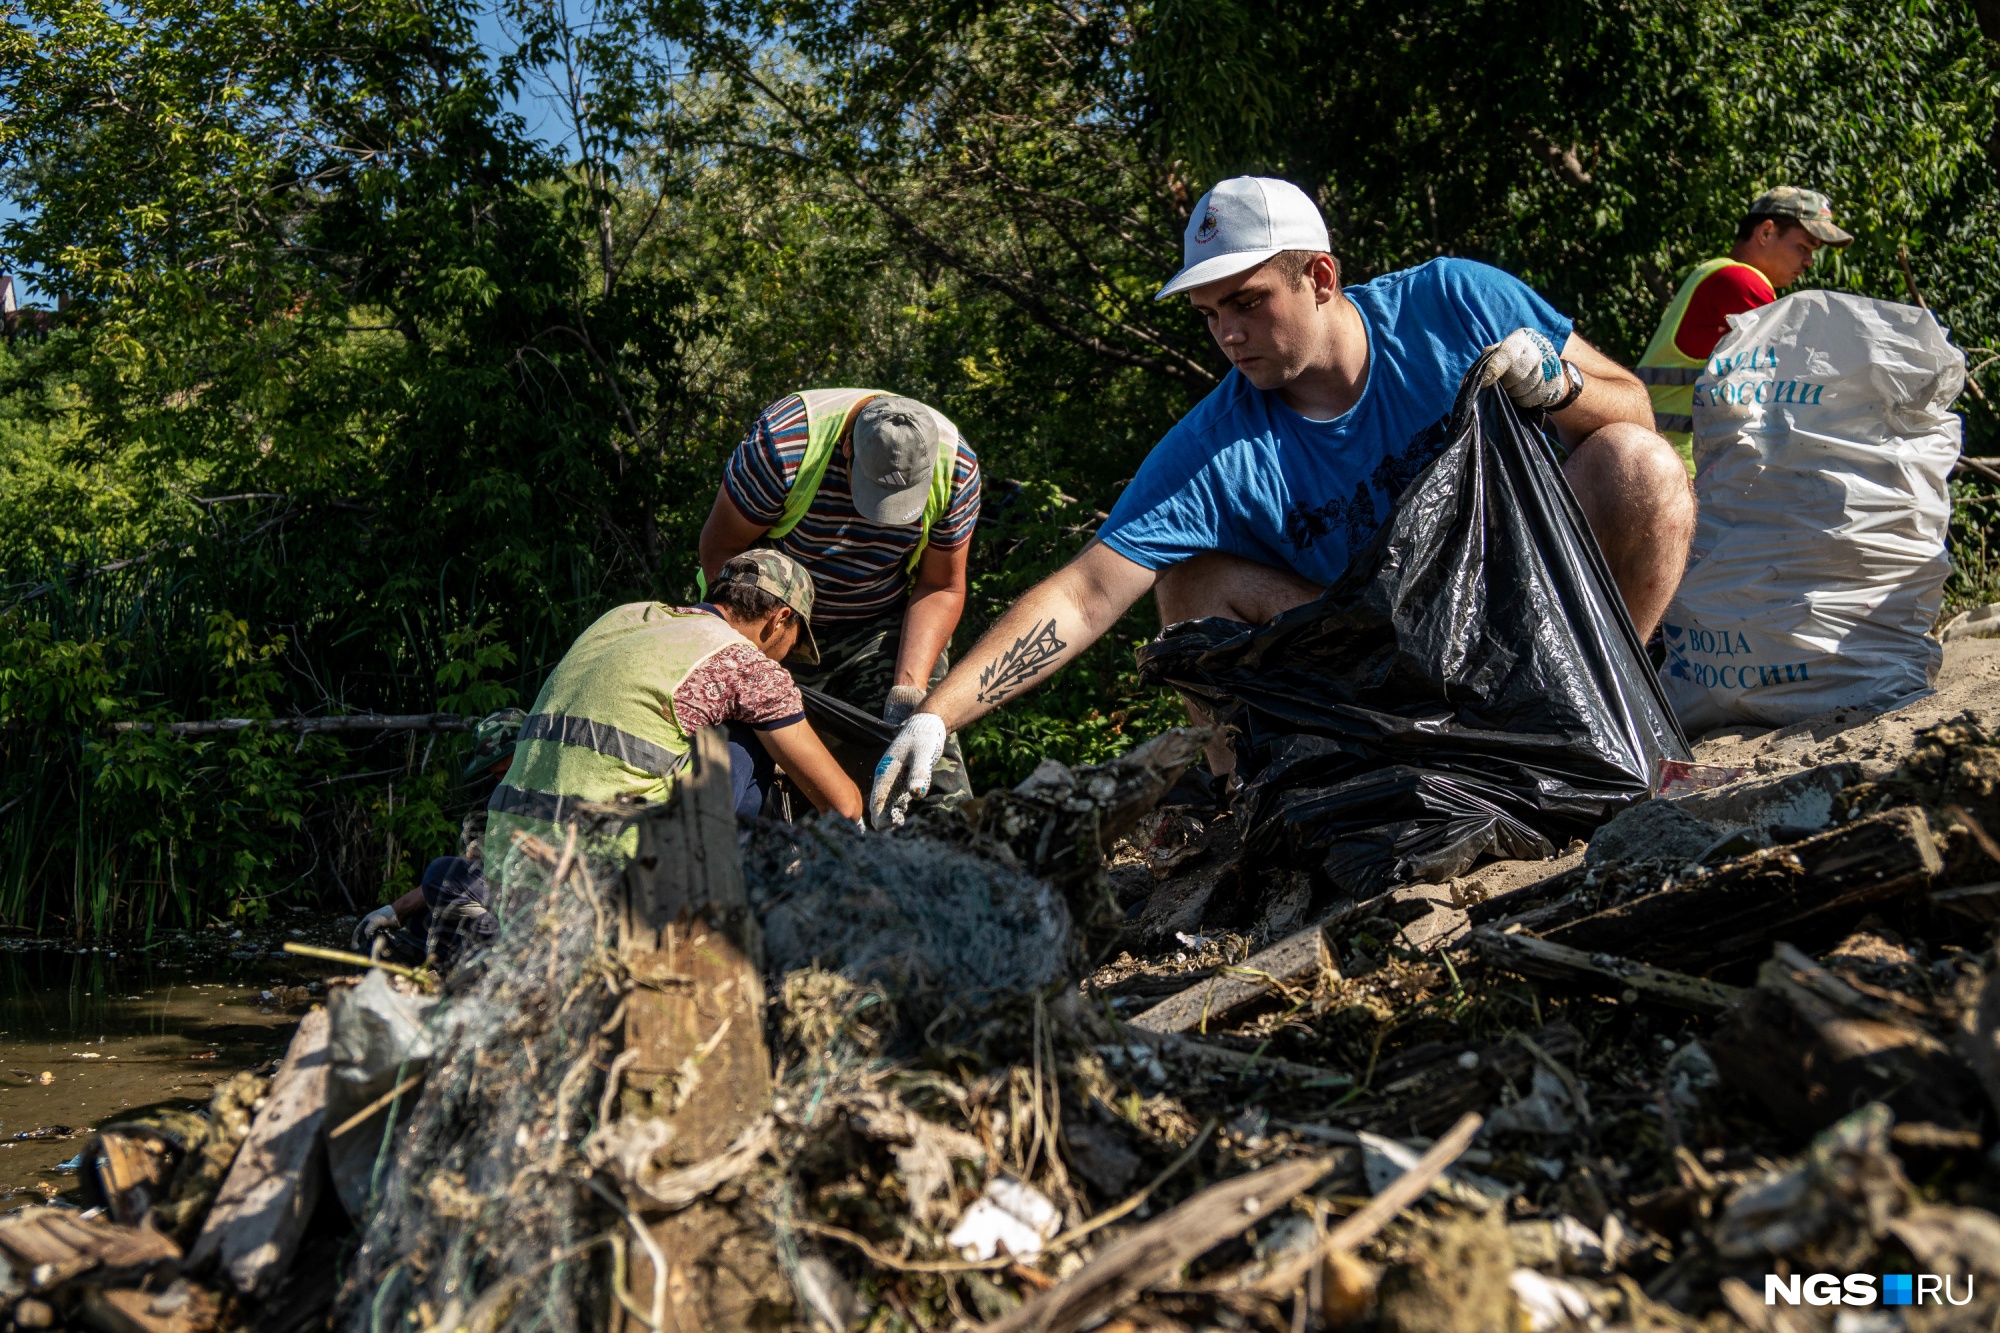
[1725,292]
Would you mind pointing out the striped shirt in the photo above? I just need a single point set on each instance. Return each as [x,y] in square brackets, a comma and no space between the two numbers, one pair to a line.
[858,567]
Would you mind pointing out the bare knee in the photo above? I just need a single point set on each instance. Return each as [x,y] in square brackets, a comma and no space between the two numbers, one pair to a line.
[1216,583]
[1632,487]
[1634,490]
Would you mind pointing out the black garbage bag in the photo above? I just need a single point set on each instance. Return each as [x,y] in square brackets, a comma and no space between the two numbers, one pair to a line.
[1471,685]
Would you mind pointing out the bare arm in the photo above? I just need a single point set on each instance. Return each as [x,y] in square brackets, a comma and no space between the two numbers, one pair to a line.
[803,755]
[728,532]
[1610,393]
[936,602]
[1053,622]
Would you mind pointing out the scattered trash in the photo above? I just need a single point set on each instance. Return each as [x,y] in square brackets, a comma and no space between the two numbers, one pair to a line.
[1009,1218]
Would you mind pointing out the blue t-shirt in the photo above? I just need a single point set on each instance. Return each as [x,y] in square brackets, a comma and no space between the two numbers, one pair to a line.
[1246,474]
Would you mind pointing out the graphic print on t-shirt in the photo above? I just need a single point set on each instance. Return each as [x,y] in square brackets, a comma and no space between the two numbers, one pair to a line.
[1245,474]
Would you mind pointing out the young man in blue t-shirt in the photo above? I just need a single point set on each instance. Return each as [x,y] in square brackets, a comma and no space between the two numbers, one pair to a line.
[1336,400]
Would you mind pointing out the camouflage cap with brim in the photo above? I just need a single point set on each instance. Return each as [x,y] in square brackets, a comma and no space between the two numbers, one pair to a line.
[493,738]
[785,579]
[1809,208]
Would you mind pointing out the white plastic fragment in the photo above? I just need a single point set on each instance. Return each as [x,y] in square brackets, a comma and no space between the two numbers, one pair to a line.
[1546,1304]
[1383,1160]
[1008,1216]
[1547,1109]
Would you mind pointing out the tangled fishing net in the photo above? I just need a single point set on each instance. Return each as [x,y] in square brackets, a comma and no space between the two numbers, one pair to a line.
[484,1217]
[497,1204]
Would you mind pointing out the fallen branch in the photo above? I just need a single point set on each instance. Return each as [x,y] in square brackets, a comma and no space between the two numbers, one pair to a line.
[351,959]
[310,726]
[1359,1227]
[1159,1248]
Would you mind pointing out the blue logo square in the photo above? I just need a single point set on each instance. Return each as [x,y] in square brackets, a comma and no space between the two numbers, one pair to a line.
[1896,1288]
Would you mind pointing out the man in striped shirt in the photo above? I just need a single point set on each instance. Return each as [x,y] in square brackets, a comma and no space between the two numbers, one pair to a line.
[877,496]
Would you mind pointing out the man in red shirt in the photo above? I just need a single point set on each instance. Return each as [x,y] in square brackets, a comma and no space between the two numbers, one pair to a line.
[1774,247]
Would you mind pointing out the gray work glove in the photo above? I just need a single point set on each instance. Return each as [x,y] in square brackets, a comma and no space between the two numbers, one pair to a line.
[904,774]
[902,701]
[378,922]
[1527,365]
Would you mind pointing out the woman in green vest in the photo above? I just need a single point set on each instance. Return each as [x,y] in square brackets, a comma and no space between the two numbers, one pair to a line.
[1774,247]
[616,719]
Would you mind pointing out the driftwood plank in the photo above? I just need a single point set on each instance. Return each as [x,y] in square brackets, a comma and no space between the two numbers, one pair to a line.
[1601,972]
[261,1212]
[50,1246]
[694,1033]
[1296,958]
[1811,1048]
[1159,1248]
[1797,892]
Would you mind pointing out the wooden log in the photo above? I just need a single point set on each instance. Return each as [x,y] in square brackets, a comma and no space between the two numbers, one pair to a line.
[1297,958]
[1812,1048]
[181,1308]
[52,1246]
[1214,1061]
[1807,890]
[311,726]
[1159,1248]
[1602,973]
[694,1033]
[260,1215]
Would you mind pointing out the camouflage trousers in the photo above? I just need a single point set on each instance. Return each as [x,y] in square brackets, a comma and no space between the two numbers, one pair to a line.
[857,665]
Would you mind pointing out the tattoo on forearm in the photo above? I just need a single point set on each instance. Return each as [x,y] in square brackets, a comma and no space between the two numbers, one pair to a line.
[1019,665]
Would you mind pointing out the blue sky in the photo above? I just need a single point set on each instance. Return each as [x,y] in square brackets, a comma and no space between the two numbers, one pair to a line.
[535,108]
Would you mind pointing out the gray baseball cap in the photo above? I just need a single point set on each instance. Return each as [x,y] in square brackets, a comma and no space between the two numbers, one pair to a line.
[895,451]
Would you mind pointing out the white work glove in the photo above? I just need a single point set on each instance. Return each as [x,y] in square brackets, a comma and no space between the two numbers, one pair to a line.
[902,701]
[904,774]
[1529,368]
[378,922]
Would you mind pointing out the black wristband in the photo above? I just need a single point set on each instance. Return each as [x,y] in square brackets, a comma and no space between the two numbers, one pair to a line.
[1575,377]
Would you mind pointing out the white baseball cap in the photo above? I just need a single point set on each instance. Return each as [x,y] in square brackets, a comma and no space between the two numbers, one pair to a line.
[1242,222]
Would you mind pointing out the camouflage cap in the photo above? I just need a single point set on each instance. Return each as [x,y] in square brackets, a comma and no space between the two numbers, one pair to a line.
[493,738]
[1809,208]
[785,579]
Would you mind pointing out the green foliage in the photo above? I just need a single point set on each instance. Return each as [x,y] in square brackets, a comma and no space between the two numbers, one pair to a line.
[365,400]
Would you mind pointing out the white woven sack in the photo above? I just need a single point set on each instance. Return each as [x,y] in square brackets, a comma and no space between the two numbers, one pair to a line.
[1822,445]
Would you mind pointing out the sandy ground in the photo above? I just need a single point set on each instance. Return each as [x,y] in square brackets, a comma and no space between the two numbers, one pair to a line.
[1968,683]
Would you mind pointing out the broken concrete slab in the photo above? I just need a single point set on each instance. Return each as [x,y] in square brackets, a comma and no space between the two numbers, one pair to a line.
[1805,801]
[1651,831]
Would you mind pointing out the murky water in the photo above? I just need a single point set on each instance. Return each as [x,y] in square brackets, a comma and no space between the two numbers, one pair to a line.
[94,1035]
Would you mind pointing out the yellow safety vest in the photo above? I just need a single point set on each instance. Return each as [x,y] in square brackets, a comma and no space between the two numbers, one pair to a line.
[603,726]
[1669,374]
[830,415]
